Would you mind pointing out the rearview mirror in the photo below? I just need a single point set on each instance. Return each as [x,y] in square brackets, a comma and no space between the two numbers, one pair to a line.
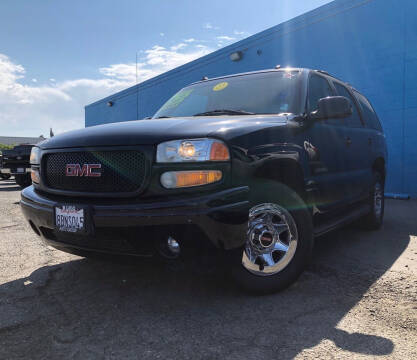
[333,107]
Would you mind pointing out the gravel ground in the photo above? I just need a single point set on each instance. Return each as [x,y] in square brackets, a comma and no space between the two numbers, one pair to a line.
[358,299]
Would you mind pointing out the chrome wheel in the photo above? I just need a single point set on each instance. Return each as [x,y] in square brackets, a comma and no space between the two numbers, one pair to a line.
[271,240]
[378,200]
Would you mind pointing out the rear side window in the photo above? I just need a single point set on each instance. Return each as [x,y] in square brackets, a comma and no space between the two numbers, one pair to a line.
[318,88]
[368,112]
[354,120]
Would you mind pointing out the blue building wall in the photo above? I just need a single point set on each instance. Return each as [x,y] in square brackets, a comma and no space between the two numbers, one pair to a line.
[372,44]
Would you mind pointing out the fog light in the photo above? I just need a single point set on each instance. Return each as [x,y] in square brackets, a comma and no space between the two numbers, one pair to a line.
[180,179]
[168,248]
[173,245]
[34,175]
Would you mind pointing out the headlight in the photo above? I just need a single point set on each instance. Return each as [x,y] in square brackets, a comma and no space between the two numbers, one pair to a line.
[35,156]
[192,150]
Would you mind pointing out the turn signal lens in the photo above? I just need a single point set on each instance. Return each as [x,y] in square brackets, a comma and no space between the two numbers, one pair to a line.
[180,179]
[219,152]
[34,175]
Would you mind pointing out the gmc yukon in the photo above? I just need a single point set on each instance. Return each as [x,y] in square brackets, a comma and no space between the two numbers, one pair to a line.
[255,164]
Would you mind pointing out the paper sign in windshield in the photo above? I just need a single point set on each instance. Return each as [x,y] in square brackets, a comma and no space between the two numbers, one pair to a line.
[177,99]
[220,86]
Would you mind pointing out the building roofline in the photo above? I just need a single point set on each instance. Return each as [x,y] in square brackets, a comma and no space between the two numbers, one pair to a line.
[316,15]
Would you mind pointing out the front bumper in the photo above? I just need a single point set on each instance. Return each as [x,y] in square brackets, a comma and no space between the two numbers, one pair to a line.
[15,171]
[220,216]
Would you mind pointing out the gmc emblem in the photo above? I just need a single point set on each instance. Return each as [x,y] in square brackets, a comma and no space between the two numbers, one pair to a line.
[85,170]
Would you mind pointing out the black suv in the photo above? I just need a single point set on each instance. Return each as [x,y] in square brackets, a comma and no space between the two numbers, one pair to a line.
[16,162]
[256,164]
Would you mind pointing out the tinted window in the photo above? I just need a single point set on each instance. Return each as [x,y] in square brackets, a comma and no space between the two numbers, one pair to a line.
[318,88]
[368,112]
[265,93]
[354,120]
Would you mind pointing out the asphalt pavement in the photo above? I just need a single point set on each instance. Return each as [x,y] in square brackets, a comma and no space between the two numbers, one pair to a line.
[357,299]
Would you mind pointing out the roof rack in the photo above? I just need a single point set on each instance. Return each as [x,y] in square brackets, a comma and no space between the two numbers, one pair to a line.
[323,72]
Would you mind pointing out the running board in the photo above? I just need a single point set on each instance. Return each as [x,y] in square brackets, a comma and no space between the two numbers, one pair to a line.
[345,220]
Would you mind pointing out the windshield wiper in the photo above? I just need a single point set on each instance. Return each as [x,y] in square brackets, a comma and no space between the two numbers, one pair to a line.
[224,112]
[163,117]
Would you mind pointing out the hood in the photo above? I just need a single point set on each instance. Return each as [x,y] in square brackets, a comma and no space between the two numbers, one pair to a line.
[154,131]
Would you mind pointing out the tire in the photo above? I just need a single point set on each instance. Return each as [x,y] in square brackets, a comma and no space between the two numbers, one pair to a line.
[374,220]
[269,279]
[23,180]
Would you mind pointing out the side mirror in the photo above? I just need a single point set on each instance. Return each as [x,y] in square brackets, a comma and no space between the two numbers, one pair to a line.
[333,107]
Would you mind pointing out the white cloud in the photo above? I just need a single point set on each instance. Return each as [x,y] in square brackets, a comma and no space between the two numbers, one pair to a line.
[236,32]
[157,60]
[121,72]
[168,59]
[209,26]
[178,47]
[162,34]
[32,109]
[190,40]
[35,80]
[225,38]
[12,90]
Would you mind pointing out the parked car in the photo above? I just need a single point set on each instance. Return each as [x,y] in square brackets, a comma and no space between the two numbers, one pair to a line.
[16,163]
[257,164]
[3,176]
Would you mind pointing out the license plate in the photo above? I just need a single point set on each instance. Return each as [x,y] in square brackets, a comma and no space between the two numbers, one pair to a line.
[70,218]
[20,170]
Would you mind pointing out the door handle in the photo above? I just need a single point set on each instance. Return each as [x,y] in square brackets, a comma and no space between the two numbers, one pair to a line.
[348,141]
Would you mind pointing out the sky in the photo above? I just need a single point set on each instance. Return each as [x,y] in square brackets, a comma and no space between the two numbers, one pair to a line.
[56,56]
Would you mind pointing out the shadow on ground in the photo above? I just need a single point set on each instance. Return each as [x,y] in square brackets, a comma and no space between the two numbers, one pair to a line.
[95,309]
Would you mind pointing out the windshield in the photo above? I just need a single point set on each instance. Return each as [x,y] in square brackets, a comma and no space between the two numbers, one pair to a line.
[265,93]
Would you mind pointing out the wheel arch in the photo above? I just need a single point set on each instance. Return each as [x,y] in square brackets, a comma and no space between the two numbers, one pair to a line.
[288,172]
